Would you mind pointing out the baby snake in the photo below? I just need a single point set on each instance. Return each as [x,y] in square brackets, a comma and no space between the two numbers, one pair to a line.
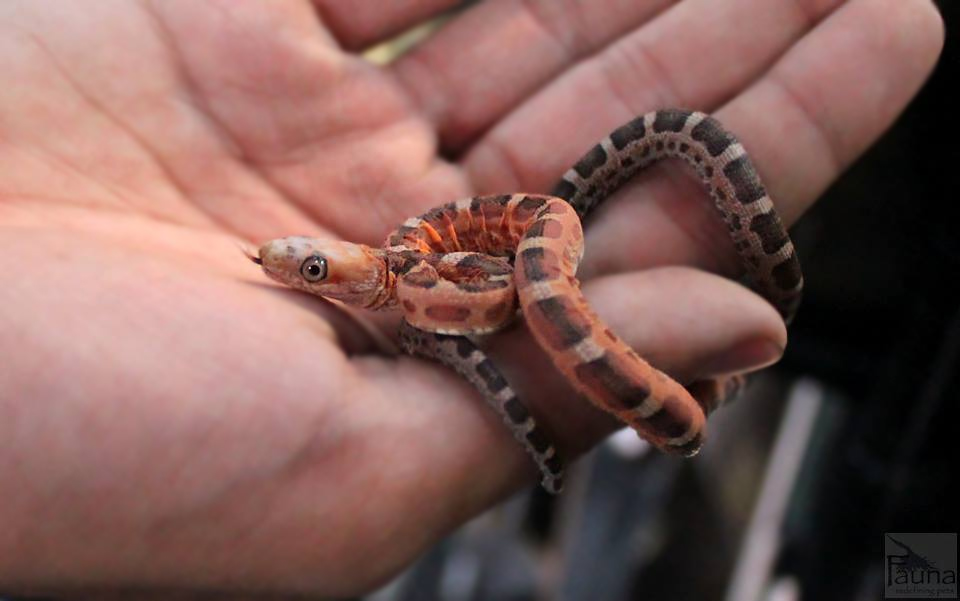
[461,269]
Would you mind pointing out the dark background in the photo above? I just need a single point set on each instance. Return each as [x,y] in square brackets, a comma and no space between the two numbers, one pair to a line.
[877,341]
[881,323]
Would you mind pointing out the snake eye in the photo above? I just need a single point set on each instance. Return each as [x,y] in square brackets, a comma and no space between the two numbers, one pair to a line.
[314,268]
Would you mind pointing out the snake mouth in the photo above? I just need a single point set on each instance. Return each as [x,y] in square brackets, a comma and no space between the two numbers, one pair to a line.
[246,252]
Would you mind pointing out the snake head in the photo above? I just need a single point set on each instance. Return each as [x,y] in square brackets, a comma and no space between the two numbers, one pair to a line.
[353,273]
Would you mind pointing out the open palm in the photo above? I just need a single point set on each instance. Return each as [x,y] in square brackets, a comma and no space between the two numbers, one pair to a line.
[171,419]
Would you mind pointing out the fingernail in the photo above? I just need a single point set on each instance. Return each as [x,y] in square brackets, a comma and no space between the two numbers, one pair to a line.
[750,355]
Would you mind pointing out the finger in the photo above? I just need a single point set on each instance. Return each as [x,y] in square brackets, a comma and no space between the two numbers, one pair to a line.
[819,106]
[803,123]
[359,24]
[693,53]
[689,324]
[693,56]
[519,45]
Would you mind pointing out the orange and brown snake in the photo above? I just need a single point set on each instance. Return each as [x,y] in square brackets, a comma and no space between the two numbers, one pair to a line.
[461,269]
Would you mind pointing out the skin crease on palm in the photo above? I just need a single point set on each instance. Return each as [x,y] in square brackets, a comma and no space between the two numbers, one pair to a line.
[171,420]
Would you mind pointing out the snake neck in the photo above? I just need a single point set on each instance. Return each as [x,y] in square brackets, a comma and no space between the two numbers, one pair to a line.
[383,294]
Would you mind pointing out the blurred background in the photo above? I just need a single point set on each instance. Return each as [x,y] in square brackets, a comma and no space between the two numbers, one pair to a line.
[851,436]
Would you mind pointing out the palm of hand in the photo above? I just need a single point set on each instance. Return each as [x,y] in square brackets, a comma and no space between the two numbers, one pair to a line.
[211,410]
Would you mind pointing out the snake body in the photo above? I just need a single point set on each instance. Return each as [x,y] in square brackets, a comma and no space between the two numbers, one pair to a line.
[460,269]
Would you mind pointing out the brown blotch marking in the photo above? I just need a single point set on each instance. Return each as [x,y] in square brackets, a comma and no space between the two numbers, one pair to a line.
[515,410]
[488,207]
[787,274]
[482,285]
[768,228]
[610,335]
[434,214]
[608,377]
[552,208]
[489,373]
[476,206]
[540,264]
[712,135]
[625,134]
[450,211]
[564,190]
[445,211]
[558,321]
[465,348]
[673,419]
[524,209]
[670,120]
[420,278]
[538,440]
[545,228]
[583,206]
[535,230]
[408,261]
[409,307]
[411,339]
[447,313]
[485,264]
[496,311]
[745,182]
[593,160]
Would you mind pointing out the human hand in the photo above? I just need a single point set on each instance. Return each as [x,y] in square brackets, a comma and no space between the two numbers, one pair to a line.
[170,420]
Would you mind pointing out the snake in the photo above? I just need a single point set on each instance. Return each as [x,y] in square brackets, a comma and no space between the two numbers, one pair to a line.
[467,267]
